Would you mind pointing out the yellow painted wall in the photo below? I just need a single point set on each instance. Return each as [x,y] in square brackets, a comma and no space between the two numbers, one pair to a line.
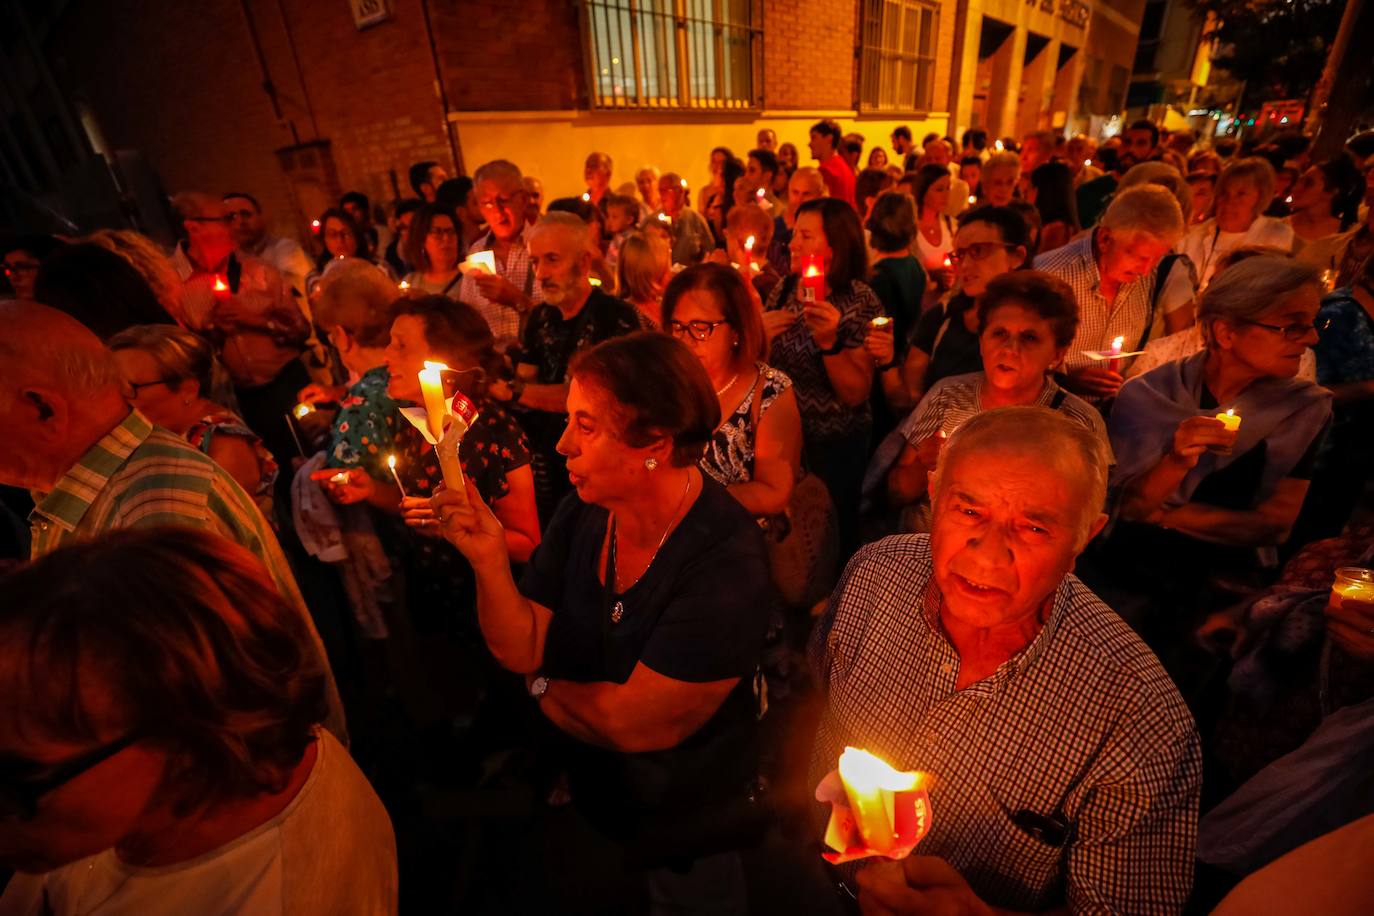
[552,145]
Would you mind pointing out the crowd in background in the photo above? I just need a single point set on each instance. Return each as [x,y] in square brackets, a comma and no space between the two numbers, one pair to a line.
[801,459]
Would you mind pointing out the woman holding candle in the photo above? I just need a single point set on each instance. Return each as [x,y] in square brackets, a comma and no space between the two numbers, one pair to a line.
[816,328]
[755,452]
[633,652]
[934,227]
[1026,321]
[355,309]
[432,247]
[1192,496]
[168,371]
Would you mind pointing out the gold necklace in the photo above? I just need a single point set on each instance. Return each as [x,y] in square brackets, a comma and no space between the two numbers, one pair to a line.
[619,609]
[720,391]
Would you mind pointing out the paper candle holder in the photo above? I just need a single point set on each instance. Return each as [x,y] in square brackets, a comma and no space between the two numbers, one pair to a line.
[480,260]
[443,421]
[888,811]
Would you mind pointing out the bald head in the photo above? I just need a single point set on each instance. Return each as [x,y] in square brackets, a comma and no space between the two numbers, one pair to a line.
[59,393]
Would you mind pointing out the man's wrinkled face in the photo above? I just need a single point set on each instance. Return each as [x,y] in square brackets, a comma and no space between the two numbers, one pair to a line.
[1005,530]
[502,204]
[560,264]
[1127,256]
[998,184]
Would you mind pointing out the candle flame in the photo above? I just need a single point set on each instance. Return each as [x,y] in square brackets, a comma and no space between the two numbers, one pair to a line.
[948,262]
[433,365]
[684,184]
[391,461]
[665,218]
[1117,342]
[586,196]
[865,772]
[1231,412]
[594,281]
[1087,162]
[998,146]
[315,225]
[812,271]
[302,409]
[749,243]
[404,285]
[220,285]
[759,193]
[881,321]
[972,199]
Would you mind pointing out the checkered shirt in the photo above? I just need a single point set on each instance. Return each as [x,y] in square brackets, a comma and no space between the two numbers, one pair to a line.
[139,476]
[1099,321]
[519,270]
[1083,723]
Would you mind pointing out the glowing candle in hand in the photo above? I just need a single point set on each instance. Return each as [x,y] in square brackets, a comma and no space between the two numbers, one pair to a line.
[481,260]
[972,199]
[403,286]
[880,323]
[432,391]
[391,463]
[302,409]
[1230,419]
[436,412]
[813,278]
[870,783]
[586,197]
[1114,365]
[221,288]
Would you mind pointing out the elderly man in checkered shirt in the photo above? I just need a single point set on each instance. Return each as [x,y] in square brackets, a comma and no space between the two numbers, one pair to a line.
[1114,272]
[1065,767]
[506,297]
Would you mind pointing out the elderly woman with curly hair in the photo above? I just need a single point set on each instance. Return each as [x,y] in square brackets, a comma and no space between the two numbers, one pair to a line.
[162,741]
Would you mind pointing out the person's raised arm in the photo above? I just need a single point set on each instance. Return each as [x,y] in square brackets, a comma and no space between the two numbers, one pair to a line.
[777,459]
[1145,495]
[513,626]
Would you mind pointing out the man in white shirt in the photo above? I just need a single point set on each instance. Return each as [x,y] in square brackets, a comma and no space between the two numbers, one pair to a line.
[244,216]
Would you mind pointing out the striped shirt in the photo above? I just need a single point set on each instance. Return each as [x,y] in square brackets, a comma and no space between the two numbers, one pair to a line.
[1099,321]
[1082,727]
[139,476]
[519,270]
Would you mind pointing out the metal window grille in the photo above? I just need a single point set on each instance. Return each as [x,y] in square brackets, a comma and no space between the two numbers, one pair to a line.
[897,55]
[664,54]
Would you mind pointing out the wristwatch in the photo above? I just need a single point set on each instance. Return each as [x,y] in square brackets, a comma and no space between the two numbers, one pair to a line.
[538,687]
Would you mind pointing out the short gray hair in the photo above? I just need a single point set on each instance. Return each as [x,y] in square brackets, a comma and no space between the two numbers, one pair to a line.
[1249,288]
[1045,434]
[1162,174]
[55,348]
[1147,208]
[1255,170]
[1003,160]
[570,223]
[499,170]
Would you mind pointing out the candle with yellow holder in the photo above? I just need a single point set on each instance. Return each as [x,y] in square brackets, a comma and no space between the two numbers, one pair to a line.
[887,814]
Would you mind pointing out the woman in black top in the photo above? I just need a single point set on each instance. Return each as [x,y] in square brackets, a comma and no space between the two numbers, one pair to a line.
[630,645]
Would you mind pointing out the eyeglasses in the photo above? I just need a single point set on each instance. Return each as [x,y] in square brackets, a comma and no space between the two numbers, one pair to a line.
[135,387]
[238,214]
[499,203]
[21,267]
[700,330]
[208,219]
[978,251]
[1291,332]
[19,797]
[441,234]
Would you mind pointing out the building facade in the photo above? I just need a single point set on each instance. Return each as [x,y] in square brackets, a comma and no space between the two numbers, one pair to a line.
[298,101]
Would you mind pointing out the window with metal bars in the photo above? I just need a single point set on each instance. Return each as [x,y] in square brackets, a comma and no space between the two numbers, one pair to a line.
[897,55]
[663,54]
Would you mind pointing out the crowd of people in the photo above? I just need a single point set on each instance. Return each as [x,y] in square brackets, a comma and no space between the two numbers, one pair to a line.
[1028,465]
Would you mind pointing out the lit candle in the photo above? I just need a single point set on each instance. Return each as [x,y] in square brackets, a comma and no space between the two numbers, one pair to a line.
[1354,584]
[481,260]
[665,218]
[813,278]
[221,288]
[949,262]
[594,281]
[586,197]
[301,409]
[403,286]
[314,225]
[391,463]
[749,244]
[972,199]
[880,323]
[1087,162]
[759,193]
[1114,365]
[997,145]
[436,412]
[889,810]
[1230,420]
[684,184]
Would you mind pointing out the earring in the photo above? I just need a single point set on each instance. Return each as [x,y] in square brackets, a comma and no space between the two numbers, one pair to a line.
[735,343]
[651,463]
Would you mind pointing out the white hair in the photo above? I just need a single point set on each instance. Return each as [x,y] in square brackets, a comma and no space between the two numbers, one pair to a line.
[569,223]
[1147,208]
[1162,174]
[1076,451]
[501,171]
[42,343]
[1248,289]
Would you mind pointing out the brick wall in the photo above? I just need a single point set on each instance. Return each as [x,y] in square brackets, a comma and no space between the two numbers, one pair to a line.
[502,56]
[808,53]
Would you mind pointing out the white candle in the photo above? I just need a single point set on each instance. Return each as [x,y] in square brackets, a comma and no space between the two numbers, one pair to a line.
[436,411]
[391,463]
[481,260]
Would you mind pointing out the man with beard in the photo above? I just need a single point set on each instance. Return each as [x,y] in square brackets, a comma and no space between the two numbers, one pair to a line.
[574,316]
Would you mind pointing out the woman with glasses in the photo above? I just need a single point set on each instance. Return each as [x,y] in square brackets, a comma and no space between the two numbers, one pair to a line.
[755,452]
[991,241]
[634,652]
[342,239]
[167,372]
[1026,321]
[1215,451]
[432,249]
[816,326]
[162,742]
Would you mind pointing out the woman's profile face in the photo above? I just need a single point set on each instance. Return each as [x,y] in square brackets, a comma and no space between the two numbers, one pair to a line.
[1268,352]
[1018,348]
[601,466]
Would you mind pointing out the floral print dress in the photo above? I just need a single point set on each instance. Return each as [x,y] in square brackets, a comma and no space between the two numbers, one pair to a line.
[365,426]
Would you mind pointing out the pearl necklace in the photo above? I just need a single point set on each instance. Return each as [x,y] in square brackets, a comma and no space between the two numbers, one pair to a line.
[721,391]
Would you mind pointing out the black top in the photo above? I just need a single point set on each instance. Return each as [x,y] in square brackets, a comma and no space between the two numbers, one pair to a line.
[900,283]
[1235,486]
[550,341]
[957,352]
[682,620]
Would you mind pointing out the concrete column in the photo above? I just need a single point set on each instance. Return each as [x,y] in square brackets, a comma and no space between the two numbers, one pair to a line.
[1003,94]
